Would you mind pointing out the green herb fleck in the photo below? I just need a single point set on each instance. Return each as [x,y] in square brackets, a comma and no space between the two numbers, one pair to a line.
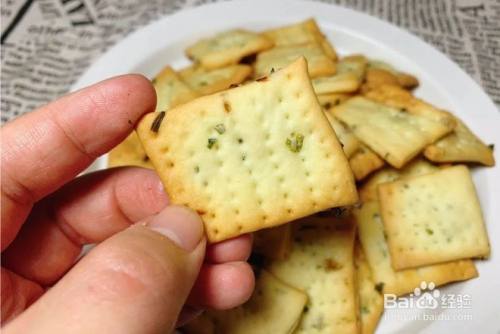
[243,156]
[306,309]
[211,142]
[153,81]
[220,128]
[240,141]
[295,142]
[364,309]
[203,83]
[155,126]
[429,231]
[197,169]
[379,287]
[492,147]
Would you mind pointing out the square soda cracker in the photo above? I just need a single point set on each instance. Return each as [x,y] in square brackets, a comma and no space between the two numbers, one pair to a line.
[321,264]
[372,237]
[397,97]
[319,64]
[171,90]
[129,153]
[275,307]
[433,218]
[460,146]
[252,157]
[298,33]
[273,243]
[227,48]
[350,144]
[211,81]
[396,136]
[364,161]
[371,301]
[368,191]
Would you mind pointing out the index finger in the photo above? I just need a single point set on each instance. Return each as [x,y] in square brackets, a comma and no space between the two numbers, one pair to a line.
[46,148]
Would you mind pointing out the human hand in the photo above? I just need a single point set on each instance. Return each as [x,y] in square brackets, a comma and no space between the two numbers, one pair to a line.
[151,262]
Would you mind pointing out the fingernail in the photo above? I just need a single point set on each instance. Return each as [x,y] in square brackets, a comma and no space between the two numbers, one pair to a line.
[180,224]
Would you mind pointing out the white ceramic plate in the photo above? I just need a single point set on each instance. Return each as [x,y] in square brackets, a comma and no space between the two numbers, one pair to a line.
[442,83]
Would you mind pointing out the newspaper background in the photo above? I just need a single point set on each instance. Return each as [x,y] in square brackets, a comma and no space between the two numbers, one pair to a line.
[48,44]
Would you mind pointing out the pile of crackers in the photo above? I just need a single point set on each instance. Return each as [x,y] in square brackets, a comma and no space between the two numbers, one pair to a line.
[352,186]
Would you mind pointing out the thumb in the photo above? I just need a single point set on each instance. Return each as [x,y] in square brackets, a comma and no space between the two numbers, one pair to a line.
[135,282]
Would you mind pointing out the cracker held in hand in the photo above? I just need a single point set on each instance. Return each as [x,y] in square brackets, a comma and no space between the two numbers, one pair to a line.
[396,136]
[227,48]
[319,64]
[275,307]
[321,264]
[433,218]
[387,280]
[252,157]
[171,90]
[211,81]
